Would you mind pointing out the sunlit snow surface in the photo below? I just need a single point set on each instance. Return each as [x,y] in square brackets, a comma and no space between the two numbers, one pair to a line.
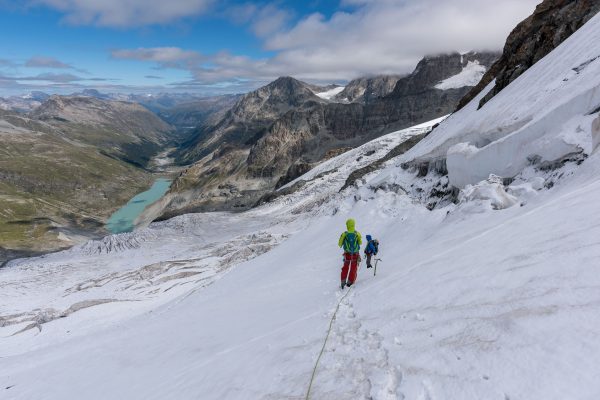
[469,76]
[496,297]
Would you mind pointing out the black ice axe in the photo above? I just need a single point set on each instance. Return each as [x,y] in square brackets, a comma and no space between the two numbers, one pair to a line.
[375,269]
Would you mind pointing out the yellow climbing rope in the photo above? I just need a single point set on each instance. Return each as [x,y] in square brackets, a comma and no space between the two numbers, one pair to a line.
[314,372]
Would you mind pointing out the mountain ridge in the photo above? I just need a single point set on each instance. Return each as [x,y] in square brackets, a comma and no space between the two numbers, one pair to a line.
[266,136]
[122,129]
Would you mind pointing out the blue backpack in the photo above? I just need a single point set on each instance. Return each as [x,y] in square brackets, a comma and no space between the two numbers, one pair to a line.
[351,243]
[375,245]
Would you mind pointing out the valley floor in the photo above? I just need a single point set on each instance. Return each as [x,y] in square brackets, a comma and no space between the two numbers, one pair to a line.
[468,302]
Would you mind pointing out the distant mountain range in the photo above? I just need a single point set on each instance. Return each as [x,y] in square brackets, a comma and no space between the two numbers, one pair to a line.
[70,161]
[280,130]
[23,103]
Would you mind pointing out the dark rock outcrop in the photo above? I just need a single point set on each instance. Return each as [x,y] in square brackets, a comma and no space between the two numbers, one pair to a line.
[552,22]
[293,172]
[368,89]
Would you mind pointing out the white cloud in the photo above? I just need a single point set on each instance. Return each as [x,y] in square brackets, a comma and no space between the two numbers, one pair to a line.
[56,78]
[46,62]
[369,37]
[48,82]
[269,19]
[387,36]
[263,20]
[126,13]
[165,57]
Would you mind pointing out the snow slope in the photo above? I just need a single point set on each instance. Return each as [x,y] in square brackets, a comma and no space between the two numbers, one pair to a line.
[128,274]
[469,76]
[495,297]
[548,112]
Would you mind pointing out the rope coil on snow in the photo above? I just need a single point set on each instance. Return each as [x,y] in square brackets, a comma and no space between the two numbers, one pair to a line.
[314,372]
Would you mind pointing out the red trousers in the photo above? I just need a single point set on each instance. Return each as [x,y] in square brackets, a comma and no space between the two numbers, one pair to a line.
[350,263]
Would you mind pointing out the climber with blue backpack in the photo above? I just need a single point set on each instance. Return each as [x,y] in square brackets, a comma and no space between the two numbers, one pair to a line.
[350,241]
[371,249]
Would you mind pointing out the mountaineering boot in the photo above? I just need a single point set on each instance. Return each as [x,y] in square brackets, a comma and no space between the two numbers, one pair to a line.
[369,266]
[348,284]
[343,284]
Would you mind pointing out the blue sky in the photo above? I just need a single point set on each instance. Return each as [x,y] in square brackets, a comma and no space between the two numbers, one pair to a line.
[211,46]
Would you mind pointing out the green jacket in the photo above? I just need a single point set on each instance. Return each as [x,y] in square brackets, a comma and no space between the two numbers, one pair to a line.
[351,239]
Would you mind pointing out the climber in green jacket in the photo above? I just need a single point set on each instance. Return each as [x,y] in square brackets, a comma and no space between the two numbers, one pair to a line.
[350,241]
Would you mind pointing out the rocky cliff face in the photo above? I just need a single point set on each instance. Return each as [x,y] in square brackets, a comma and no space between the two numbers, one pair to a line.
[282,129]
[122,129]
[552,22]
[368,89]
[417,97]
[250,116]
[432,70]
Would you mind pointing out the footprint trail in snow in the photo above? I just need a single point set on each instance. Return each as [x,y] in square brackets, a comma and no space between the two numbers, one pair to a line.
[355,364]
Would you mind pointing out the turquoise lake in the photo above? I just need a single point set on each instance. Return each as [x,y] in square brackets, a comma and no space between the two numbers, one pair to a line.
[123,219]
